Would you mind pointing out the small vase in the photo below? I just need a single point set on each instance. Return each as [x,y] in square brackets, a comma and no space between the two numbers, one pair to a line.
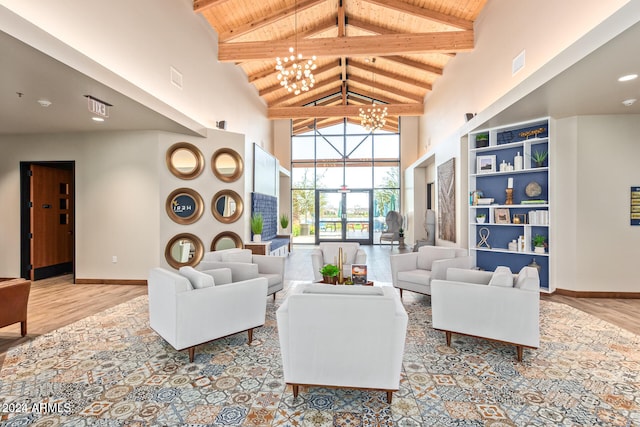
[480,219]
[539,249]
[257,237]
[331,280]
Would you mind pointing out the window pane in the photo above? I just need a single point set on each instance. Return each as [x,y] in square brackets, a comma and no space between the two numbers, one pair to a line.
[302,148]
[303,202]
[355,129]
[330,175]
[329,147]
[386,176]
[358,175]
[359,147]
[302,175]
[386,147]
[383,202]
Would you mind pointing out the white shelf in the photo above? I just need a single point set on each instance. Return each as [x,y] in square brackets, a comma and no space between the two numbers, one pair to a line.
[507,251]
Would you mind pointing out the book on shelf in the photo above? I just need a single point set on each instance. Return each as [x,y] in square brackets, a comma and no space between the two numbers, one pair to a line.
[533,202]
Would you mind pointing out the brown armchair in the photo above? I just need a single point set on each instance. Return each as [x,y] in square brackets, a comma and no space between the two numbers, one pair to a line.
[14,296]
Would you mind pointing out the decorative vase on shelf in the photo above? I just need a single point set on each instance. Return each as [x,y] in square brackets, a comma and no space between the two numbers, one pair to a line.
[538,249]
[257,237]
[480,219]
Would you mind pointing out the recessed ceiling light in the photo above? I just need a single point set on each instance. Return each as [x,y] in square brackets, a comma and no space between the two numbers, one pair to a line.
[628,77]
[44,102]
[97,119]
[629,102]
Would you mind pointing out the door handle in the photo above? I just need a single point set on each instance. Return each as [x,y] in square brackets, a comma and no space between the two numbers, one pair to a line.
[46,206]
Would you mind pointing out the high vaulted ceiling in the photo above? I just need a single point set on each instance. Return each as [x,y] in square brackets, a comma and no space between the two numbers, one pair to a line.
[390,51]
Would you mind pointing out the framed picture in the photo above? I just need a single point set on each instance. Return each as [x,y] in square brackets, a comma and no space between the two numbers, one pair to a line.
[359,274]
[502,216]
[486,164]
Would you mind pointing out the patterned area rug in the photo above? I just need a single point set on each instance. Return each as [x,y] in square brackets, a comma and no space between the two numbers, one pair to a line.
[112,369]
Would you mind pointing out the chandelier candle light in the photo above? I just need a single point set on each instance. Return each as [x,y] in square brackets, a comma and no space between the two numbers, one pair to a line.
[294,73]
[373,118]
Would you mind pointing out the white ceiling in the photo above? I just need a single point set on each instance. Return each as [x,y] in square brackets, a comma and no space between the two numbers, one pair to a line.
[588,87]
[37,76]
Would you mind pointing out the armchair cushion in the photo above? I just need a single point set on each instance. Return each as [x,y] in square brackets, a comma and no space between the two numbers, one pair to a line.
[502,276]
[240,256]
[221,276]
[198,279]
[426,258]
[528,279]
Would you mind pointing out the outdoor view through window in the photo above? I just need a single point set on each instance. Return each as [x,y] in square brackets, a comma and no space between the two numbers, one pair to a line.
[344,181]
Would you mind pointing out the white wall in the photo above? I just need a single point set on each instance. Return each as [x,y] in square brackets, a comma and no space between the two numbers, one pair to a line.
[597,248]
[474,81]
[139,41]
[117,196]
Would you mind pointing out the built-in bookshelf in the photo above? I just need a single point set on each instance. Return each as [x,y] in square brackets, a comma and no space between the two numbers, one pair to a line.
[511,190]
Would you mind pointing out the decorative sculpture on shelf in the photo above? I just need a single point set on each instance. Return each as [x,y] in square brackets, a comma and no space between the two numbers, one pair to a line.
[484,235]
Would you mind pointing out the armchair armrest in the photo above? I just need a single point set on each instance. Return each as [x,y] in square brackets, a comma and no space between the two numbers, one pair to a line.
[239,270]
[439,267]
[268,264]
[402,262]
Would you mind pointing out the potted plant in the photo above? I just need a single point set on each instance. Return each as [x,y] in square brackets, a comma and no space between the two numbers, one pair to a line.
[257,222]
[330,273]
[482,140]
[480,218]
[401,232]
[284,221]
[539,157]
[539,243]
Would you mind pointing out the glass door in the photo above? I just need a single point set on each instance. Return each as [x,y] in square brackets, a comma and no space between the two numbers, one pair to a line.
[344,216]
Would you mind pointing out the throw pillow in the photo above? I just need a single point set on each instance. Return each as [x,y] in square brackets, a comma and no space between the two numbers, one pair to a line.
[429,254]
[502,277]
[198,279]
[528,279]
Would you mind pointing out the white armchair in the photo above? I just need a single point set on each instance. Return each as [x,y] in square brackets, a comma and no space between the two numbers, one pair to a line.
[493,305]
[342,336]
[327,253]
[414,271]
[244,265]
[187,311]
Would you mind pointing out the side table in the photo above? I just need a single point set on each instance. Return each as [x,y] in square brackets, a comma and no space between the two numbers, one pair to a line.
[258,248]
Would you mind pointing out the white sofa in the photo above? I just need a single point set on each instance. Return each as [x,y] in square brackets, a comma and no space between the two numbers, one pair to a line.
[414,271]
[495,305]
[342,336]
[244,265]
[327,253]
[197,307]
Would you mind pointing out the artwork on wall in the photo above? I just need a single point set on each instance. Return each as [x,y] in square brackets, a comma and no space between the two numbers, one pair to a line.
[635,205]
[447,201]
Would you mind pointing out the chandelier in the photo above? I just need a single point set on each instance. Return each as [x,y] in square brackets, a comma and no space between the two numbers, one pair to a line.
[294,73]
[374,117]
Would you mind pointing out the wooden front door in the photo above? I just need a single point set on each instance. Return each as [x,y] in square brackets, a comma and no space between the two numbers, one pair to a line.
[51,221]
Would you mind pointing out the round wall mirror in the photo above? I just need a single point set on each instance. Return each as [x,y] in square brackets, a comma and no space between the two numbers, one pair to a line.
[227,164]
[185,160]
[226,240]
[184,206]
[227,206]
[184,249]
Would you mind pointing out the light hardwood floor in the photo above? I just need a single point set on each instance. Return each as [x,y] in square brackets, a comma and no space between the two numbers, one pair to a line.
[57,302]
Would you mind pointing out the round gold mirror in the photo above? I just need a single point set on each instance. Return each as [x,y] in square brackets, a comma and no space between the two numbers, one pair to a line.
[227,206]
[184,249]
[226,240]
[185,160]
[227,164]
[184,206]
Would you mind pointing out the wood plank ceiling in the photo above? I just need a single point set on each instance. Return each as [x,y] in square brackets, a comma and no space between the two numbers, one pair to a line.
[390,51]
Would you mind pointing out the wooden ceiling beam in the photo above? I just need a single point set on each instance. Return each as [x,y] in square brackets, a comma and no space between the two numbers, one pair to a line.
[267,20]
[382,45]
[390,75]
[201,5]
[366,97]
[307,97]
[327,67]
[421,12]
[403,93]
[274,113]
[414,64]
